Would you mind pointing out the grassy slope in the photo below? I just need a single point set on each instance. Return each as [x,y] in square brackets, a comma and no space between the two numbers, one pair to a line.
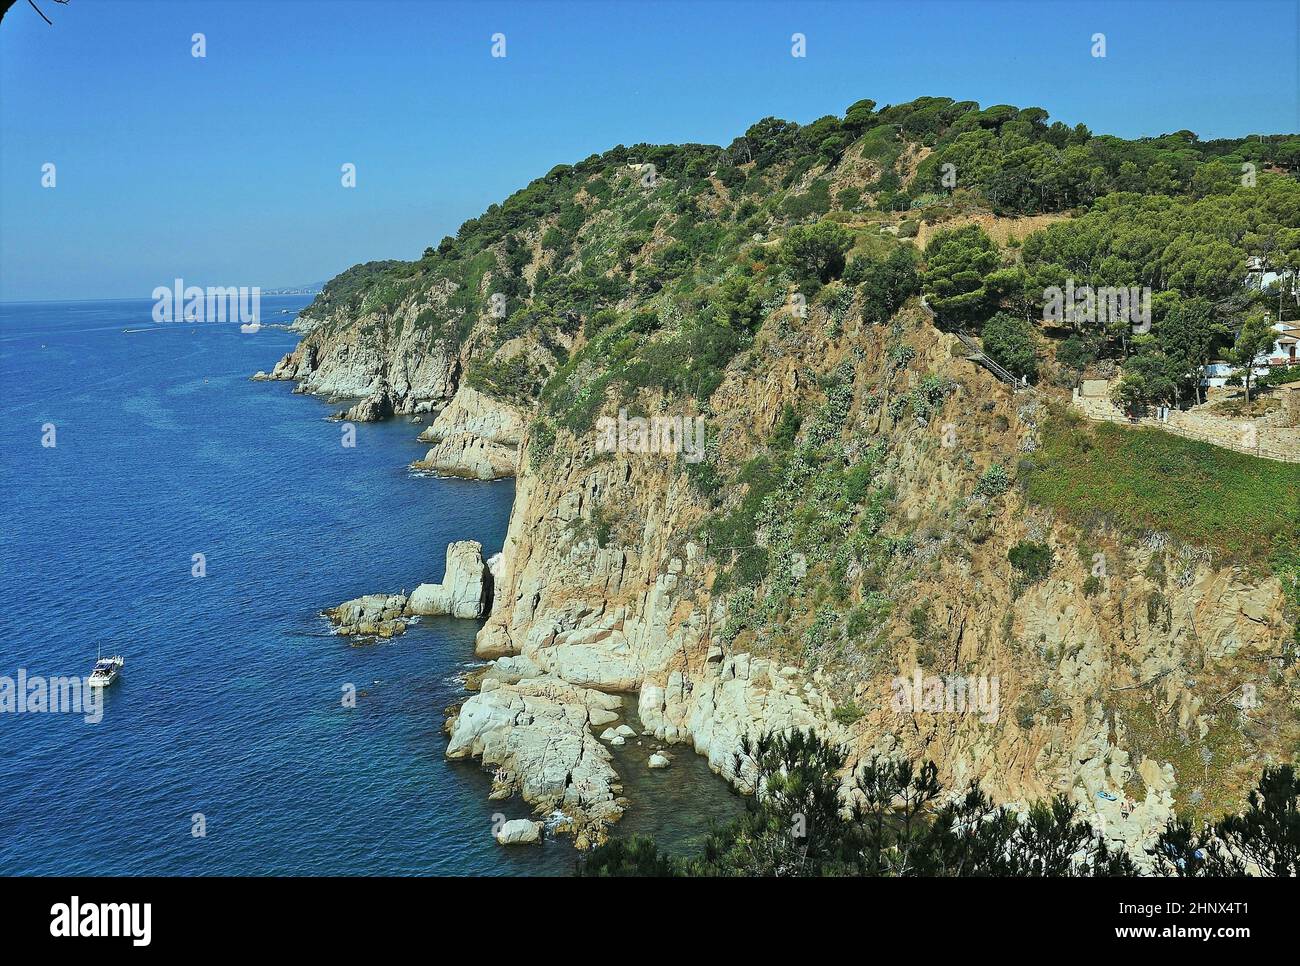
[1144,479]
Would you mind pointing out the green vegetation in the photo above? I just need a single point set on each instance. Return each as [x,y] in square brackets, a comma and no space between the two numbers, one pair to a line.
[959,262]
[1279,376]
[1031,560]
[993,482]
[1178,262]
[822,512]
[1023,165]
[642,276]
[648,275]
[847,713]
[345,292]
[1012,344]
[646,250]
[886,283]
[1242,507]
[815,253]
[797,825]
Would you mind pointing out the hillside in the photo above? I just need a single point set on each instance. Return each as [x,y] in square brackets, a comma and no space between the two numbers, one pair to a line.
[869,503]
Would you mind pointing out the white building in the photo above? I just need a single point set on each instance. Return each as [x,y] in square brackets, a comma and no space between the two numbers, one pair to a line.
[1285,352]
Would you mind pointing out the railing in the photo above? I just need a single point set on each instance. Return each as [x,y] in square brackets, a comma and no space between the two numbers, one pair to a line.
[978,355]
[1261,449]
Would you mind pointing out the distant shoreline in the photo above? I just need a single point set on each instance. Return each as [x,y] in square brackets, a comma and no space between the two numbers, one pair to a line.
[269,293]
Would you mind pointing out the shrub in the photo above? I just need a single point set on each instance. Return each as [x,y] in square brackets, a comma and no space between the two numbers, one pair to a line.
[1012,344]
[1032,560]
[1076,353]
[541,442]
[885,284]
[787,428]
[847,713]
[902,825]
[919,618]
[994,481]
[815,253]
[704,478]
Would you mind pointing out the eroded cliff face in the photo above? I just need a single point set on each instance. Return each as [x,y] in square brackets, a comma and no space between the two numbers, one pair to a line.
[476,436]
[392,364]
[1145,688]
[1129,673]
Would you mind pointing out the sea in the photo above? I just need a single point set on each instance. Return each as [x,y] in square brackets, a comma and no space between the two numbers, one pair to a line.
[157,504]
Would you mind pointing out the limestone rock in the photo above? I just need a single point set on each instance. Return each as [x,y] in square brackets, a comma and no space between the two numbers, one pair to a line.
[369,410]
[374,615]
[472,413]
[519,831]
[462,454]
[466,587]
[604,594]
[512,670]
[537,732]
[353,355]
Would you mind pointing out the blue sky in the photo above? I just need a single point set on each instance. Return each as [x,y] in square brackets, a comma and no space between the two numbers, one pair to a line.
[225,170]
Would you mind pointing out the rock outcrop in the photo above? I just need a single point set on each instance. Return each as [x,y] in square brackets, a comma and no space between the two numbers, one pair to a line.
[465,590]
[519,831]
[537,734]
[369,410]
[461,454]
[1085,682]
[373,358]
[1121,688]
[374,615]
[475,436]
[472,413]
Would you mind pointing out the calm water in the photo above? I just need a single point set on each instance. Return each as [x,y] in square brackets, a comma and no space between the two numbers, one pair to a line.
[229,704]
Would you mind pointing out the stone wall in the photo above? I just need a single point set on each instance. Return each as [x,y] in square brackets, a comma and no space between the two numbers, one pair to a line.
[1268,437]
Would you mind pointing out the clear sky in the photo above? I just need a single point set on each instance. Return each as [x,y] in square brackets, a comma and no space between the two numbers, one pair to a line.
[225,170]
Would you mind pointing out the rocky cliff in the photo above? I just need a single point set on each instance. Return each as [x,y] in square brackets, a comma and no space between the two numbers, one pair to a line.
[1127,698]
[856,552]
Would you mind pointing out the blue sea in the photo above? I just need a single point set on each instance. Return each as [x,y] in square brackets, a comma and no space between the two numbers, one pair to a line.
[230,704]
